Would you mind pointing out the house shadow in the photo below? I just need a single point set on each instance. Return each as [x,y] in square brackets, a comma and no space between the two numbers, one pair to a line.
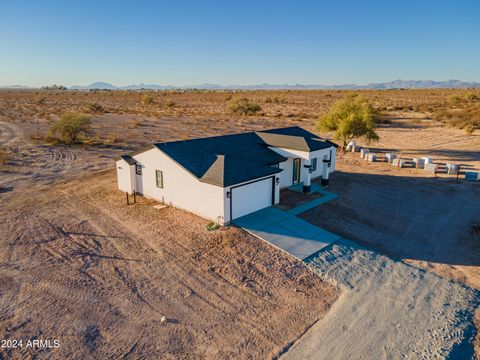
[432,219]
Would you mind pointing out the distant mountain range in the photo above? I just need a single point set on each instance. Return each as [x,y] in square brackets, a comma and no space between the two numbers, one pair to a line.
[396,84]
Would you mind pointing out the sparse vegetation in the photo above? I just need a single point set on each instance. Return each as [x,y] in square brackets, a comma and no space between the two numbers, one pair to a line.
[469,129]
[275,100]
[352,117]
[96,108]
[243,106]
[69,128]
[171,104]
[470,96]
[454,99]
[146,99]
[54,87]
[39,99]
[467,119]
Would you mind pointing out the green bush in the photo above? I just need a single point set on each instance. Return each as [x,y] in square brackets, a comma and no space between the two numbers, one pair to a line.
[243,106]
[146,99]
[350,118]
[69,128]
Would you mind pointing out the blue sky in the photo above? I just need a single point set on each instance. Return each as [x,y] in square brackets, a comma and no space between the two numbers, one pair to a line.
[242,42]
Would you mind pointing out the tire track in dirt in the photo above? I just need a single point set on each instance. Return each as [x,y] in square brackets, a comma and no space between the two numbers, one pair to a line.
[194,283]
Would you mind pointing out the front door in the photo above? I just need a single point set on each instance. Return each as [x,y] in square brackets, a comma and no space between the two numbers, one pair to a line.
[296,170]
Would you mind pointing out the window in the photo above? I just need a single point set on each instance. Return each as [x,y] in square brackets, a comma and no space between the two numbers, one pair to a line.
[138,169]
[159,177]
[314,164]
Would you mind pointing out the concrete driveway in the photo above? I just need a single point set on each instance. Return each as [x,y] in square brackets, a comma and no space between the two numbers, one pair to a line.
[286,231]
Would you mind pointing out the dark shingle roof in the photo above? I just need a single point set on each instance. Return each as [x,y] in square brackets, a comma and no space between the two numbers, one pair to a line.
[294,138]
[232,159]
[128,159]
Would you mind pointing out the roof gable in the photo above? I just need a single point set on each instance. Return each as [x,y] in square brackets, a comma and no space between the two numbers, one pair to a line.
[232,159]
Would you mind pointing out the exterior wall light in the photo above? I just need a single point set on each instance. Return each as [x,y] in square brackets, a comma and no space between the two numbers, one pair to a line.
[277,181]
[228,194]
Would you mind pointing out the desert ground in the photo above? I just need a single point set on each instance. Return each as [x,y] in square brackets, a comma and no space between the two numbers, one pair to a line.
[81,266]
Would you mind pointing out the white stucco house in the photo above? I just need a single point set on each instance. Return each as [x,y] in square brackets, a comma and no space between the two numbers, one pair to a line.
[222,178]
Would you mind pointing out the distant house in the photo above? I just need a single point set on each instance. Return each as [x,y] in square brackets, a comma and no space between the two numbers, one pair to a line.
[225,177]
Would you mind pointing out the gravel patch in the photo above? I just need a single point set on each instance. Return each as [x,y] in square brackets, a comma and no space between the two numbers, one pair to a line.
[397,310]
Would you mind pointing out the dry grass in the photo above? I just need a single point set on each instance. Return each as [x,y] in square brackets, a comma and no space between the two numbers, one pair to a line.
[279,103]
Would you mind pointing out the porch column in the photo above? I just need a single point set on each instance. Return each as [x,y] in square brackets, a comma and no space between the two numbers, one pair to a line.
[306,183]
[325,171]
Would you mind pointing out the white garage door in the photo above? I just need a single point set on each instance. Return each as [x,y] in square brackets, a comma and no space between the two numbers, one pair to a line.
[246,199]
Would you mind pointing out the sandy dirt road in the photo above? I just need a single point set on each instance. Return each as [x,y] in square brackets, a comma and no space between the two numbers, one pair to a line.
[389,310]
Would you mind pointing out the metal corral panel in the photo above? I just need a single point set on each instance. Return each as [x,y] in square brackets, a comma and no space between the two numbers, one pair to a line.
[251,197]
[390,157]
[372,157]
[472,176]
[419,163]
[398,162]
[427,160]
[453,169]
[364,153]
[432,168]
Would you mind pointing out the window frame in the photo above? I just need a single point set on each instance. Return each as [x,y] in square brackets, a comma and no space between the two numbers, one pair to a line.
[313,165]
[161,178]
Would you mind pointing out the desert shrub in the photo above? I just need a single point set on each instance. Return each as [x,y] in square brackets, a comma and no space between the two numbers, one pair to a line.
[470,96]
[69,128]
[228,97]
[243,106]
[39,99]
[468,117]
[171,103]
[96,108]
[275,100]
[350,118]
[469,129]
[454,99]
[146,99]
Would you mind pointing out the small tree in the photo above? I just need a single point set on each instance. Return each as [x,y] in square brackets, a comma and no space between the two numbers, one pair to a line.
[350,118]
[69,127]
[243,106]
